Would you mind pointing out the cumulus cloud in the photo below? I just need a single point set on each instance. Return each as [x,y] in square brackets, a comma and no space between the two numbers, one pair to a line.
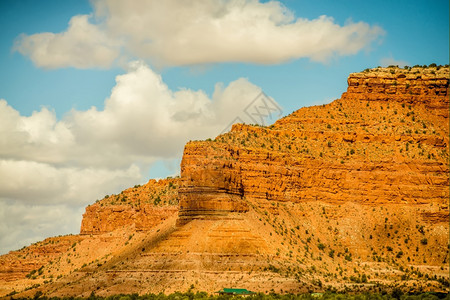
[42,183]
[142,120]
[195,32]
[63,165]
[23,223]
[83,45]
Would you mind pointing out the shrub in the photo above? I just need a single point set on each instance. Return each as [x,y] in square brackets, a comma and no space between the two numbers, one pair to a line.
[331,253]
[364,278]
[421,229]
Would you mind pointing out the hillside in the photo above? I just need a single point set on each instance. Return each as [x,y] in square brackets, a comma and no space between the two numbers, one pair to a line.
[351,195]
[109,227]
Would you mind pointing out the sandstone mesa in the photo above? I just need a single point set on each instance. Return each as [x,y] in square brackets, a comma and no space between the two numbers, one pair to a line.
[352,195]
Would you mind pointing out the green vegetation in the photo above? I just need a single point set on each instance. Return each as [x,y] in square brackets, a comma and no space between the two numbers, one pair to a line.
[157,200]
[395,294]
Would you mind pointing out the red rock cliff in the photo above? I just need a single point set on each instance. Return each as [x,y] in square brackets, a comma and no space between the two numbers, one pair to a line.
[141,207]
[385,141]
[339,194]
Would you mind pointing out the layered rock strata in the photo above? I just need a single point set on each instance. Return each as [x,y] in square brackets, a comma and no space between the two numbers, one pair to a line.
[422,86]
[384,142]
[351,195]
[26,262]
[141,207]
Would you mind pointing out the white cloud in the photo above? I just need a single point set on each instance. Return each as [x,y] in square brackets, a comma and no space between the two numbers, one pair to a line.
[390,61]
[323,101]
[41,183]
[142,120]
[66,164]
[83,45]
[195,32]
[23,223]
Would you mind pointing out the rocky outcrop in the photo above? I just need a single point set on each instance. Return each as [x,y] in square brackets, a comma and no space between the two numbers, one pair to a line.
[98,220]
[422,86]
[27,262]
[384,142]
[141,208]
[329,196]
[209,189]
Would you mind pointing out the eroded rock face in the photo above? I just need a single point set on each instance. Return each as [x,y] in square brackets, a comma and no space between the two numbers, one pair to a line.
[384,142]
[141,207]
[422,86]
[26,262]
[209,189]
[99,220]
[357,188]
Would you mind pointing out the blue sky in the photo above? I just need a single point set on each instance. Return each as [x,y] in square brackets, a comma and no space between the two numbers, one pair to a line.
[67,94]
[416,33]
